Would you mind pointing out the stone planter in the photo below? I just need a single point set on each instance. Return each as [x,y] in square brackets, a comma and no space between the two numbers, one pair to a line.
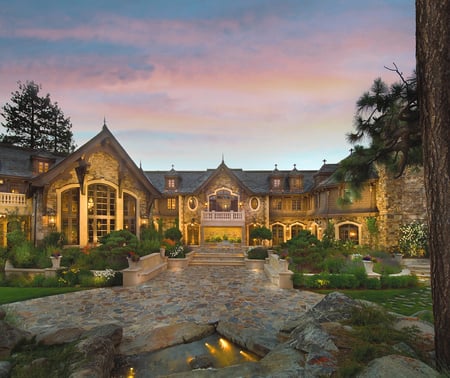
[255,264]
[180,263]
[368,265]
[56,262]
[162,251]
[398,257]
[132,264]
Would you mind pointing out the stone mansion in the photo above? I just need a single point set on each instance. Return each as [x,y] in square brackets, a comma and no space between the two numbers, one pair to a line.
[98,189]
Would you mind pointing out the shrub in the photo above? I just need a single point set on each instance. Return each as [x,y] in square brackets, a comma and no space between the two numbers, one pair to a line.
[389,282]
[118,240]
[372,283]
[173,234]
[261,233]
[258,253]
[334,264]
[54,239]
[413,240]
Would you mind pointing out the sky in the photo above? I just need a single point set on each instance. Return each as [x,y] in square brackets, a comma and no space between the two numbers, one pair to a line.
[189,82]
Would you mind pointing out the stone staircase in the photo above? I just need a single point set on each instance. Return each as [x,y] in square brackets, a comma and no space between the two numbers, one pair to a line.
[419,267]
[228,256]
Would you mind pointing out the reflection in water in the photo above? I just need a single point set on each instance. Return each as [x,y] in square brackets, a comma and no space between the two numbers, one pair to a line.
[176,359]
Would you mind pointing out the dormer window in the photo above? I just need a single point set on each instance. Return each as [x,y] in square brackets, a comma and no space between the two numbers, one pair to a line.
[276,183]
[171,183]
[42,166]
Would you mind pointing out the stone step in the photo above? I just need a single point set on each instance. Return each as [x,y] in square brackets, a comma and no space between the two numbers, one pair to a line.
[218,259]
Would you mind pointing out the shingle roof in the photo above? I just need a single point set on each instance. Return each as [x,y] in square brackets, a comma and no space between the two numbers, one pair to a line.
[17,161]
[256,181]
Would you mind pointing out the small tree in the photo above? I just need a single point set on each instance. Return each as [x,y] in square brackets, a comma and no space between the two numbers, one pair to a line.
[173,234]
[261,233]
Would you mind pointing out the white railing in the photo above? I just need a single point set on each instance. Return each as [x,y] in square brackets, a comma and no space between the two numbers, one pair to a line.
[228,217]
[12,199]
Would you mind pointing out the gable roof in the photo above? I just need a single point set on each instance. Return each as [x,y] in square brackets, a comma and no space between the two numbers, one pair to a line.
[103,138]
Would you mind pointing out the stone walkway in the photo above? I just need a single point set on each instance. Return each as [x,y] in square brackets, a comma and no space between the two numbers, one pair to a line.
[196,294]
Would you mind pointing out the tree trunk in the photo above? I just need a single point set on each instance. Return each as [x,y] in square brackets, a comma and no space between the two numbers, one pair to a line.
[433,75]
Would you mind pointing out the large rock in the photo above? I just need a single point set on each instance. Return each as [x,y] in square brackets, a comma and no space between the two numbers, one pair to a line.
[5,369]
[163,337]
[57,336]
[10,337]
[113,332]
[398,367]
[256,340]
[98,358]
[283,361]
[310,337]
[334,307]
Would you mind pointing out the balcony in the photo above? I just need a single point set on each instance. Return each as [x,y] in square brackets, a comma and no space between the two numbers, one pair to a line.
[223,218]
[12,199]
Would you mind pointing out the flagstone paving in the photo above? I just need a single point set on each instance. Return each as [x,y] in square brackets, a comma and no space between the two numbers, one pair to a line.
[197,294]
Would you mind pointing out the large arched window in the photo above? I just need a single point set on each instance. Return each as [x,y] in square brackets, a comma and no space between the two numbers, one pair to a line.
[70,215]
[101,211]
[129,213]
[223,200]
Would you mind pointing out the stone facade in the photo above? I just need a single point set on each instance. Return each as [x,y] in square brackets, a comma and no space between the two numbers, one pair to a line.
[98,189]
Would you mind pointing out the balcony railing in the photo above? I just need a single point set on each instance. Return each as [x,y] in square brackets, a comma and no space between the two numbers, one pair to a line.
[223,217]
[12,199]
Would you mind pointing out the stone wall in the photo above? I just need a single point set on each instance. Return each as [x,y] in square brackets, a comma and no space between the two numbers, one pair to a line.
[400,201]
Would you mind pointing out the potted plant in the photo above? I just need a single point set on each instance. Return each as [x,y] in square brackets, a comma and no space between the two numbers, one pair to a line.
[55,258]
[133,259]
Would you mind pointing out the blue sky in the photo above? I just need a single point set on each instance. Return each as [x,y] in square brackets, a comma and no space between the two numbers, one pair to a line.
[183,82]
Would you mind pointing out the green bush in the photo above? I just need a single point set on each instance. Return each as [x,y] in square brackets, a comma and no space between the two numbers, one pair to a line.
[119,239]
[54,239]
[260,233]
[334,264]
[372,284]
[389,282]
[173,234]
[258,253]
[148,246]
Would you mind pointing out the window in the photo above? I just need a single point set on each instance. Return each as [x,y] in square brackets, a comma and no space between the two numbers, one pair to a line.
[171,183]
[129,213]
[296,183]
[171,203]
[192,203]
[349,232]
[277,204]
[295,230]
[70,201]
[101,211]
[276,183]
[254,203]
[223,200]
[296,204]
[277,234]
[42,166]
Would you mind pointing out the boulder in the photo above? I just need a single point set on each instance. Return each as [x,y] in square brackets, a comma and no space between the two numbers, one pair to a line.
[310,337]
[399,367]
[283,361]
[334,307]
[114,332]
[57,336]
[201,362]
[98,358]
[256,340]
[163,337]
[5,369]
[10,337]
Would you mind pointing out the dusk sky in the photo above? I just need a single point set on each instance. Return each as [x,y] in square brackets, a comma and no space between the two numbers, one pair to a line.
[182,82]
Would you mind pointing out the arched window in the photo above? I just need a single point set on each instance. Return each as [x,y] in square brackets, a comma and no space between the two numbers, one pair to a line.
[349,231]
[70,215]
[101,211]
[223,200]
[129,213]
[295,230]
[277,234]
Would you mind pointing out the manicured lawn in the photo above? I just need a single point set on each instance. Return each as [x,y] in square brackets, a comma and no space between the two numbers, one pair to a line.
[17,294]
[402,301]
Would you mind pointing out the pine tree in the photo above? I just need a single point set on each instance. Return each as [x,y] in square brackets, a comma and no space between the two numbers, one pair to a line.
[35,122]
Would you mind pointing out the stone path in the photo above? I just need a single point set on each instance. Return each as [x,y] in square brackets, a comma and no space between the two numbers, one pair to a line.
[196,294]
